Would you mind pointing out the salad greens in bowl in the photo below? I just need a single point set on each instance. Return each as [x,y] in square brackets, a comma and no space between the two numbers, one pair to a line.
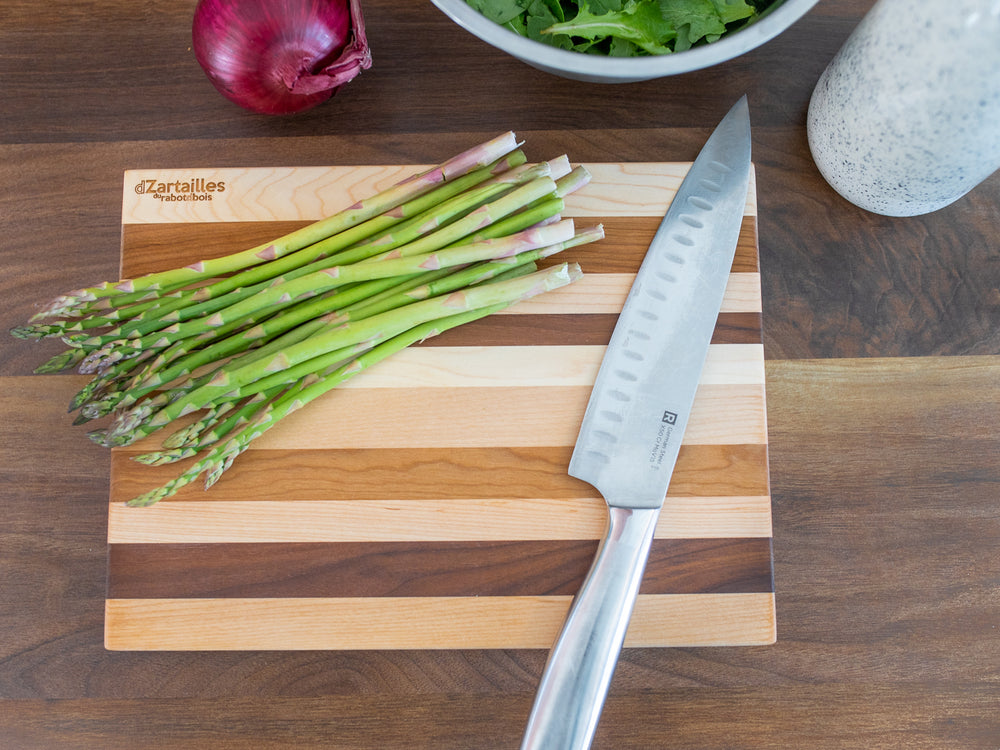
[619,41]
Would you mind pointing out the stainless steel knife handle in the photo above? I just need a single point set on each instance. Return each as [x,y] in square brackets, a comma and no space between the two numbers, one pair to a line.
[575,682]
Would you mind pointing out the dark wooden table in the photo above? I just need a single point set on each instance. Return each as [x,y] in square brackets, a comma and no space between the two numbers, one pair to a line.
[882,338]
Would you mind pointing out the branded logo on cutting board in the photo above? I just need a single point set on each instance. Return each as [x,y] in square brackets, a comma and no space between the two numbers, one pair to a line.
[194,190]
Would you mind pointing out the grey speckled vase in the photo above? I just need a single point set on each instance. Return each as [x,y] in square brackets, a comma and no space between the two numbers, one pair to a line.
[906,118]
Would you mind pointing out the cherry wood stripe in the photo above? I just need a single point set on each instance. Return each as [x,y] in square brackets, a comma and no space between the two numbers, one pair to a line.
[156,247]
[626,241]
[400,519]
[435,473]
[481,622]
[373,569]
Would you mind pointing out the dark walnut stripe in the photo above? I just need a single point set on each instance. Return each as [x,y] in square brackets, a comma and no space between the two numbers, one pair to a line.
[437,473]
[156,247]
[413,569]
[738,328]
[576,330]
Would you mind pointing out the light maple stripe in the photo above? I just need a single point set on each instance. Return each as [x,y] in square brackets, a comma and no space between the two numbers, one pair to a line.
[430,417]
[311,193]
[422,622]
[606,293]
[487,417]
[637,189]
[461,519]
[498,366]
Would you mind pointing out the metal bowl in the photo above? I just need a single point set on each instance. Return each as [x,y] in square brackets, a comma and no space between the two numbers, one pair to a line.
[601,69]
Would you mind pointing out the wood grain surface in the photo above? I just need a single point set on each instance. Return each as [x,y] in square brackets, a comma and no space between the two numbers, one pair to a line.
[882,369]
[474,427]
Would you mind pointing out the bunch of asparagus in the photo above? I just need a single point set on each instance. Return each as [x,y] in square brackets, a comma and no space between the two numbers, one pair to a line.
[243,340]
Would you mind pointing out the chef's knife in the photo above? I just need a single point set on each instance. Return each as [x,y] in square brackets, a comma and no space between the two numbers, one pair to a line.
[632,429]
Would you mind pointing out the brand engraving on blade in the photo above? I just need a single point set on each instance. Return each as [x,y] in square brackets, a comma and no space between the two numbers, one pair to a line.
[662,442]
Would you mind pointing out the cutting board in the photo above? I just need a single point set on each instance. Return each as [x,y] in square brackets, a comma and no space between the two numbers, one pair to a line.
[426,504]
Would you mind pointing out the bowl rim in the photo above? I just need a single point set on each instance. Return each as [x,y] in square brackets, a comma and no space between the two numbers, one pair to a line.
[768,26]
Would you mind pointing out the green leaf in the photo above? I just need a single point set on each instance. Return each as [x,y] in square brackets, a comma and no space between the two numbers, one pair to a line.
[731,11]
[554,7]
[540,17]
[622,48]
[498,11]
[693,19]
[517,25]
[600,7]
[639,21]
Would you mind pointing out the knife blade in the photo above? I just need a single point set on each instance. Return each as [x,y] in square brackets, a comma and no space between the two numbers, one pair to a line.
[634,424]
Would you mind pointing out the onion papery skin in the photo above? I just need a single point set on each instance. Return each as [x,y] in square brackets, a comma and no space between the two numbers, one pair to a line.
[279,57]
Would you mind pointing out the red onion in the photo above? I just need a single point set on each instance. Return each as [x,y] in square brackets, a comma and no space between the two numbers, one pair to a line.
[280,56]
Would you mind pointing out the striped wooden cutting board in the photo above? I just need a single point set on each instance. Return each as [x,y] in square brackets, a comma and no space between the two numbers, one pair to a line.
[426,504]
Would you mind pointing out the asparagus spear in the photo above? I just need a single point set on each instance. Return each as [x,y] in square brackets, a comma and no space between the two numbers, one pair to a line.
[88,321]
[206,432]
[165,407]
[413,186]
[444,214]
[420,286]
[187,355]
[221,457]
[296,321]
[468,276]
[166,309]
[479,274]
[150,302]
[61,361]
[376,328]
[250,337]
[426,212]
[482,216]
[296,324]
[331,278]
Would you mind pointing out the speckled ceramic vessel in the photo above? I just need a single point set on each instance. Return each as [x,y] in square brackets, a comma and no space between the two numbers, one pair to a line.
[906,118]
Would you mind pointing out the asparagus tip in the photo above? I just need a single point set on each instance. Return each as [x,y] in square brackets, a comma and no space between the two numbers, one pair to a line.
[100,437]
[149,498]
[160,458]
[25,332]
